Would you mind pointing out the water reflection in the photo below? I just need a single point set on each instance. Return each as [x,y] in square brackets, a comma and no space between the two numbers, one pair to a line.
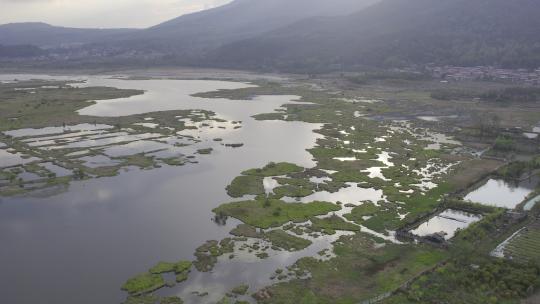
[352,194]
[161,95]
[502,194]
[9,159]
[245,268]
[447,223]
[56,130]
[80,246]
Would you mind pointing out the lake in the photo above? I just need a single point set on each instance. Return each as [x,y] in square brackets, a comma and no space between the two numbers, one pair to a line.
[80,244]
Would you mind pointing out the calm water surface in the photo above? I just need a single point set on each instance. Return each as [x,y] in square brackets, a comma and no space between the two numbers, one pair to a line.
[447,222]
[502,194]
[80,245]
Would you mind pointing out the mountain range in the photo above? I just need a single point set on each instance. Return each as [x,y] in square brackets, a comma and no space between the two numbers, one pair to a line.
[314,35]
[47,36]
[401,33]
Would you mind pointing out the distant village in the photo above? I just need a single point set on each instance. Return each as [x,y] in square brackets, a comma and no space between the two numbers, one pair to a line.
[520,76]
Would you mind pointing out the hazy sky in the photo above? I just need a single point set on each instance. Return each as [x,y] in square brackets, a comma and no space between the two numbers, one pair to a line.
[100,13]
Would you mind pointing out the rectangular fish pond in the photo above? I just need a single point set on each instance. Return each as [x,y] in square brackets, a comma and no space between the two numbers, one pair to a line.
[499,193]
[446,223]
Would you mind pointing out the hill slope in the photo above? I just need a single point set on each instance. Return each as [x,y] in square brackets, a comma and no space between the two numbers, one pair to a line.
[241,19]
[313,35]
[400,32]
[20,51]
[45,35]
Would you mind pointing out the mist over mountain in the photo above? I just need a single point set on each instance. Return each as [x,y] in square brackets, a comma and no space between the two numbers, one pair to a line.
[45,35]
[20,51]
[313,35]
[400,33]
[241,19]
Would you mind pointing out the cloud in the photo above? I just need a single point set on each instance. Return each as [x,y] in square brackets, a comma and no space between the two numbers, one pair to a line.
[26,1]
[100,13]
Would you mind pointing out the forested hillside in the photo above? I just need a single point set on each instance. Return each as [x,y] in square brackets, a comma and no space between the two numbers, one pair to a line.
[400,33]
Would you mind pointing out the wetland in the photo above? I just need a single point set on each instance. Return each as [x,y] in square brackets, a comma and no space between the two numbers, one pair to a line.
[267,190]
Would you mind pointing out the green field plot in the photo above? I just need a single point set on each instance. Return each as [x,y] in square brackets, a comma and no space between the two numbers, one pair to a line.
[525,247]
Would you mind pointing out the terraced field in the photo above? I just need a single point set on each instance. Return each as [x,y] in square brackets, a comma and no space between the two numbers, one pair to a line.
[525,246]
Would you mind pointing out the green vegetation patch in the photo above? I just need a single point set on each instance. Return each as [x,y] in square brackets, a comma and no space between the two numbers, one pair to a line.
[205,151]
[171,300]
[49,107]
[182,266]
[504,143]
[143,299]
[181,277]
[139,160]
[143,283]
[272,213]
[286,241]
[334,222]
[162,267]
[358,213]
[361,270]
[383,221]
[525,247]
[478,279]
[275,169]
[174,161]
[246,185]
[471,275]
[153,299]
[292,191]
[240,290]
[294,187]
[208,253]
[515,94]
[517,169]
[244,230]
